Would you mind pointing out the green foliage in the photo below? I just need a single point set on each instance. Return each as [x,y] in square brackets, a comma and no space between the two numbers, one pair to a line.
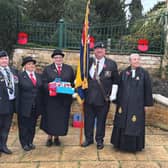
[44,10]
[75,12]
[150,28]
[135,10]
[8,24]
[109,10]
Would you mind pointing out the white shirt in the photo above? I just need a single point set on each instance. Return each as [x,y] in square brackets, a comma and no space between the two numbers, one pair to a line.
[11,96]
[57,66]
[133,73]
[101,65]
[33,73]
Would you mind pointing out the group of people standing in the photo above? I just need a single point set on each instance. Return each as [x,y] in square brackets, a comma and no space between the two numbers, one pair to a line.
[27,93]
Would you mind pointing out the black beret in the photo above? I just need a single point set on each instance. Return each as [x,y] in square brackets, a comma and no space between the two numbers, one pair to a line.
[57,52]
[28,59]
[3,53]
[99,45]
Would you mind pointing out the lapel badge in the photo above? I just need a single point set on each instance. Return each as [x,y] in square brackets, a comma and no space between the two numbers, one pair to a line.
[137,78]
[120,110]
[16,80]
[104,66]
[128,73]
[134,118]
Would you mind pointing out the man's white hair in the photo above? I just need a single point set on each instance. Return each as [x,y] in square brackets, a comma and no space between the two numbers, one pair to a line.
[133,54]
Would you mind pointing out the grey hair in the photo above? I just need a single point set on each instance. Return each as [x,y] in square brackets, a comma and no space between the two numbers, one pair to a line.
[133,54]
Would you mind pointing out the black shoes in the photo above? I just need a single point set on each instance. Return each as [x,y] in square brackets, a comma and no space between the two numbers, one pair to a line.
[49,142]
[32,146]
[100,145]
[87,143]
[29,147]
[5,150]
[26,148]
[57,142]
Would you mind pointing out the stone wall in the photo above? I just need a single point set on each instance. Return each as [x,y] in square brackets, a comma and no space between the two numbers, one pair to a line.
[43,57]
[156,116]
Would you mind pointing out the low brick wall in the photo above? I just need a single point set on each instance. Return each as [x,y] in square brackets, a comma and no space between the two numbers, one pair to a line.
[158,114]
[43,57]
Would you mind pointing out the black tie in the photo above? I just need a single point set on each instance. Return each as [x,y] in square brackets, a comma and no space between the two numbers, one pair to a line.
[9,81]
[96,70]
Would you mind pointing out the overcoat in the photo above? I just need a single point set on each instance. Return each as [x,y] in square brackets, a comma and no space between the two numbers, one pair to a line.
[57,108]
[4,98]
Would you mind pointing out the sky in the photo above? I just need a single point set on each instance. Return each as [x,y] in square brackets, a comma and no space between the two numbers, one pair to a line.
[147,4]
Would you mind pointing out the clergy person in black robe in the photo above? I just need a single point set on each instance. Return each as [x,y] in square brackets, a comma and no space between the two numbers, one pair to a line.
[134,94]
[56,116]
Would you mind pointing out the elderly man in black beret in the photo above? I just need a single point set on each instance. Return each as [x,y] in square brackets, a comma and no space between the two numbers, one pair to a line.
[102,88]
[8,97]
[56,116]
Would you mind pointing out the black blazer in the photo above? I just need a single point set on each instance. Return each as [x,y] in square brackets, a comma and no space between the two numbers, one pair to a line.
[4,97]
[108,77]
[29,94]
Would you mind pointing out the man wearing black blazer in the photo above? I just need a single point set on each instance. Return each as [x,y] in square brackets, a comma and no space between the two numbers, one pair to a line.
[30,102]
[102,88]
[8,99]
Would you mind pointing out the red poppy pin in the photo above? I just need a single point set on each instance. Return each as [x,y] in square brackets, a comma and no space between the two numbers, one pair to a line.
[104,66]
[128,73]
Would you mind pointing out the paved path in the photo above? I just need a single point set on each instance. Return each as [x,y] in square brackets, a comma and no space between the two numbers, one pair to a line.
[71,155]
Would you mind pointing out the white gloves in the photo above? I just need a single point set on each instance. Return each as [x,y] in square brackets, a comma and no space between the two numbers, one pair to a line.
[114,90]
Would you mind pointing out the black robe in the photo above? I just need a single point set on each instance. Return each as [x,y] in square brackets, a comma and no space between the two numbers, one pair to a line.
[129,121]
[57,108]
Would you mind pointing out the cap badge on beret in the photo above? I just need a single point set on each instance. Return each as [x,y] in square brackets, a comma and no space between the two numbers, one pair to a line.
[99,45]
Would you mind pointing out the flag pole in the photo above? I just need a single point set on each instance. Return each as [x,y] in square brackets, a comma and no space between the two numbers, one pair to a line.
[82,125]
[85,66]
[81,83]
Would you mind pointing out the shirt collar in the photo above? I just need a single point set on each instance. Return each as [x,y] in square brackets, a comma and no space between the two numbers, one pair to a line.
[57,65]
[28,72]
[2,68]
[100,60]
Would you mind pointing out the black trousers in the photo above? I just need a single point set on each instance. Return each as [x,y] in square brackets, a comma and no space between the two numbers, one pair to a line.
[92,112]
[27,127]
[5,123]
